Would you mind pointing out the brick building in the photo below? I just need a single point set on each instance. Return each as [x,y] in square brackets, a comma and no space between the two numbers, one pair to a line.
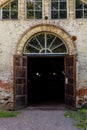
[43,52]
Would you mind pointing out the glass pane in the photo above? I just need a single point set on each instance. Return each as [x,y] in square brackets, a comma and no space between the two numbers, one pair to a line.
[32,50]
[5,14]
[85,6]
[43,51]
[41,39]
[61,49]
[79,14]
[38,0]
[54,5]
[48,51]
[54,0]
[30,14]
[14,5]
[54,14]
[56,42]
[62,0]
[14,15]
[85,14]
[38,6]
[63,5]
[50,39]
[79,4]
[30,5]
[34,42]
[38,14]
[6,8]
[63,14]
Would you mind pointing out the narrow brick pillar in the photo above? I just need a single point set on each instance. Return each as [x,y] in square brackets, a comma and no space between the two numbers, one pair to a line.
[46,8]
[22,9]
[71,9]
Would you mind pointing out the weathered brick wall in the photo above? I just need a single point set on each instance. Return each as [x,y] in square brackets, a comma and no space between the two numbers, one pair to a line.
[12,32]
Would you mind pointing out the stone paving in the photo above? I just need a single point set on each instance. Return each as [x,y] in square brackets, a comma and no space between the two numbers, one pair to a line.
[36,119]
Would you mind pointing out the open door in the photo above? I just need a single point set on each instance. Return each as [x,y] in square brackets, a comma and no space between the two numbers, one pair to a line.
[70,82]
[20,81]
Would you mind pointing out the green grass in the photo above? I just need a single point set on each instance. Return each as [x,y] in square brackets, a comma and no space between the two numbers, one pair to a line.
[80,116]
[8,114]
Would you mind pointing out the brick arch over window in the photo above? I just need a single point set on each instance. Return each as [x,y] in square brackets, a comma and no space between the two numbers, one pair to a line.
[47,28]
[85,1]
[3,2]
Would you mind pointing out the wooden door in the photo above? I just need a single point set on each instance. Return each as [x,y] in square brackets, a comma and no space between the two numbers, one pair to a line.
[20,81]
[70,81]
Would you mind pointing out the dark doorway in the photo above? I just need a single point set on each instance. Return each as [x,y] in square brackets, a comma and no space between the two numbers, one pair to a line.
[45,80]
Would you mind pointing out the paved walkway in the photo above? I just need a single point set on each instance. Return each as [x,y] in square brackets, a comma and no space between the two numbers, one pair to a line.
[36,119]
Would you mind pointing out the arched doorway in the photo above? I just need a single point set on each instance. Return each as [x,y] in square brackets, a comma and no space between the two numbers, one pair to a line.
[45,54]
[46,71]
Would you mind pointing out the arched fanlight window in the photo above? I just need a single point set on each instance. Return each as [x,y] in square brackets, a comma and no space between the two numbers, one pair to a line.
[45,43]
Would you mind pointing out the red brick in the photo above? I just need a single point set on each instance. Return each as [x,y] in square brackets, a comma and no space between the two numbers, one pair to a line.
[1,84]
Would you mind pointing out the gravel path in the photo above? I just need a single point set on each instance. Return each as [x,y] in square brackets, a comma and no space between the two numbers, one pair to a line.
[38,120]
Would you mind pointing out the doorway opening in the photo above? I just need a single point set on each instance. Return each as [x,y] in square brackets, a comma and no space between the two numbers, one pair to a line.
[38,71]
[45,80]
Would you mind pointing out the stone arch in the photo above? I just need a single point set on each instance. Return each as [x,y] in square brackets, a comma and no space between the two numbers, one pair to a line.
[47,28]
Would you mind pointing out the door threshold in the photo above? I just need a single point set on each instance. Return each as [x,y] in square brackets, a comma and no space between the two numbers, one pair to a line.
[47,107]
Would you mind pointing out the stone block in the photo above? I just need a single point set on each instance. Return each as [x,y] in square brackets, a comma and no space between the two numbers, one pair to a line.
[6,86]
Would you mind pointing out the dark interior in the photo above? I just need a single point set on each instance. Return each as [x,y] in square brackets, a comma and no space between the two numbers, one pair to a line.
[45,80]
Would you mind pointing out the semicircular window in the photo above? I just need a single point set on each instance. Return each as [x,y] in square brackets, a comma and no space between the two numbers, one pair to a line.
[45,43]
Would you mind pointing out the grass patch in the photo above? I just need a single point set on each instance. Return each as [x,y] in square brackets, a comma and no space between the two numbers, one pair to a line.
[8,114]
[80,116]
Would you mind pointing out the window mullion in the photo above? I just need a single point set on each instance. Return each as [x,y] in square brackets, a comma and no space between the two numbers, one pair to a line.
[10,11]
[58,9]
[83,10]
[34,9]
[57,46]
[38,42]
[45,43]
[1,12]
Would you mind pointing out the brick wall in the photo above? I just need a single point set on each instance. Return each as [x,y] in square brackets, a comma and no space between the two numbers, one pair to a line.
[13,35]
